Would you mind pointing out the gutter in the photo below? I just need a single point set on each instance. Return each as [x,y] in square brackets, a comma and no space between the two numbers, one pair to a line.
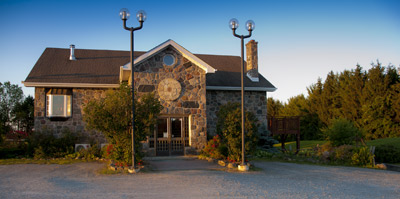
[69,85]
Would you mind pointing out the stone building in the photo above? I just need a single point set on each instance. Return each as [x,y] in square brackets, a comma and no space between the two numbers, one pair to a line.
[191,87]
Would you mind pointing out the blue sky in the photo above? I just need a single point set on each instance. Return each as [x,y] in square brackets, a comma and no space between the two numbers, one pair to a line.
[298,41]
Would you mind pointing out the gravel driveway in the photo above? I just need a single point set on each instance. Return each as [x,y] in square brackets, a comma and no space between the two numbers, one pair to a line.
[275,180]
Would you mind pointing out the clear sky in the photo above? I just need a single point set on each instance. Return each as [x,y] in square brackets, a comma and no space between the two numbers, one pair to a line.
[298,41]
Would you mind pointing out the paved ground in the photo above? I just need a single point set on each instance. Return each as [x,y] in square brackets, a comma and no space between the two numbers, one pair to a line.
[274,180]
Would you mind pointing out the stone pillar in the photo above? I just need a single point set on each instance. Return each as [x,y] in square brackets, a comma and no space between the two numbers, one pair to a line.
[252,60]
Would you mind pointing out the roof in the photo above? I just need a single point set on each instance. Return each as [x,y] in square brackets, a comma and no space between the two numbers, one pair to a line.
[101,68]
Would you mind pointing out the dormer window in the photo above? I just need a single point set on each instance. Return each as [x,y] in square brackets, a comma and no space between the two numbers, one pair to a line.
[59,103]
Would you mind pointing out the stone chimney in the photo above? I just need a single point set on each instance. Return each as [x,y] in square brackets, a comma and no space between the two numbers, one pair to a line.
[72,55]
[252,61]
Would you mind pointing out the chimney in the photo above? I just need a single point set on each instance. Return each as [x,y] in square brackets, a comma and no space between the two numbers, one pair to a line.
[72,55]
[252,61]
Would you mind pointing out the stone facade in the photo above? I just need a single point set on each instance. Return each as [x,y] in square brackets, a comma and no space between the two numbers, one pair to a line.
[181,89]
[255,102]
[252,59]
[80,96]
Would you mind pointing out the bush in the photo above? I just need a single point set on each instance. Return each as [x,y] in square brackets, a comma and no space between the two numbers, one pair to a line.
[91,153]
[266,142]
[215,149]
[342,132]
[362,157]
[387,154]
[43,144]
[342,154]
[229,127]
[112,116]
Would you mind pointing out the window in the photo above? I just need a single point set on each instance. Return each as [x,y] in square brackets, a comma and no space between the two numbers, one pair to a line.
[59,103]
[169,59]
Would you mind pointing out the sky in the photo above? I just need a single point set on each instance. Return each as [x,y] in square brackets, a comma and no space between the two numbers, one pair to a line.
[298,41]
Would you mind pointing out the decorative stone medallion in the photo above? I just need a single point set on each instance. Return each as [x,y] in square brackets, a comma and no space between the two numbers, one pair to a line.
[169,89]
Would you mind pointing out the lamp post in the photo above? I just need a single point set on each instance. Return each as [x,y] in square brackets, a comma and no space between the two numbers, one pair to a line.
[141,17]
[250,25]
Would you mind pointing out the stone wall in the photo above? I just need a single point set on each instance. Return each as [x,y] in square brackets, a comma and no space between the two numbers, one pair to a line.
[255,102]
[80,96]
[181,89]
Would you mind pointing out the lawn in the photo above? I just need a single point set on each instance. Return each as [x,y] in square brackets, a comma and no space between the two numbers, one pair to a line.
[304,144]
[309,144]
[41,161]
[384,141]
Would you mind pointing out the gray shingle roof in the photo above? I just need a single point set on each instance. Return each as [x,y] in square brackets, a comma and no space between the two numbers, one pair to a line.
[102,67]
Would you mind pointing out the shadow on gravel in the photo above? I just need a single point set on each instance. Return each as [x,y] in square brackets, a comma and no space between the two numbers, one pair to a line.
[180,163]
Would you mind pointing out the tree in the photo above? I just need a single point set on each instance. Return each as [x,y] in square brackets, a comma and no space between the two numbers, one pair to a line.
[112,116]
[23,114]
[274,107]
[295,107]
[10,95]
[379,108]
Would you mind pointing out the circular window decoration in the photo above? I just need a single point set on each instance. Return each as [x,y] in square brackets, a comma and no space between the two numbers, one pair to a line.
[169,89]
[169,60]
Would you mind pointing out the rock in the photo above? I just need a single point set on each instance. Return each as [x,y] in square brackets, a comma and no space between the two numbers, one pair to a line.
[381,166]
[232,166]
[222,163]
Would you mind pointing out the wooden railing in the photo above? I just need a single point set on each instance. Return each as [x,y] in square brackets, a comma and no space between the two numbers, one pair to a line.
[285,126]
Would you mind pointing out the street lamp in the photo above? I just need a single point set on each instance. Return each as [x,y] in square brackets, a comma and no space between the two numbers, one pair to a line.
[250,25]
[141,17]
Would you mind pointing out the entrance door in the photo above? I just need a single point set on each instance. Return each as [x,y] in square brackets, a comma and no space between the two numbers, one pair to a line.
[170,139]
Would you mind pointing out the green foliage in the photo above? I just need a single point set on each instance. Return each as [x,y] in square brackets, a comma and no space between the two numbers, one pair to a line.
[362,157]
[342,132]
[346,155]
[23,114]
[274,107]
[229,128]
[91,153]
[215,149]
[112,116]
[43,144]
[387,153]
[266,141]
[10,95]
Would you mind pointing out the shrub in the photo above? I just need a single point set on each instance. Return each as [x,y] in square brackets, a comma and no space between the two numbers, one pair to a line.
[91,153]
[215,149]
[266,142]
[112,116]
[342,154]
[362,157]
[230,129]
[43,144]
[387,154]
[342,132]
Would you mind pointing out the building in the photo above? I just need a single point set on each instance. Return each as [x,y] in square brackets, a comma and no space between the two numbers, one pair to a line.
[191,87]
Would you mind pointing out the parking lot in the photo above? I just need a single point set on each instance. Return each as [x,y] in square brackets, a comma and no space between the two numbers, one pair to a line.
[166,180]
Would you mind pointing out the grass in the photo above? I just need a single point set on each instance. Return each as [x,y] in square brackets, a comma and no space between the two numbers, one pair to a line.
[41,161]
[384,141]
[304,144]
[309,144]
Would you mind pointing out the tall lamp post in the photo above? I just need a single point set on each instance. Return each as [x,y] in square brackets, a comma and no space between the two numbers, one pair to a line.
[250,25]
[141,17]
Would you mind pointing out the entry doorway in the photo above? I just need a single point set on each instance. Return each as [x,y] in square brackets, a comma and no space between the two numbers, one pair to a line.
[171,135]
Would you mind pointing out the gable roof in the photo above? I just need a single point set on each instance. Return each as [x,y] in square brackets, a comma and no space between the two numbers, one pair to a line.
[185,53]
[101,68]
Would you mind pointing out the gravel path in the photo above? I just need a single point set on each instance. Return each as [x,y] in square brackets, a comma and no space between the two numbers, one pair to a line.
[275,180]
